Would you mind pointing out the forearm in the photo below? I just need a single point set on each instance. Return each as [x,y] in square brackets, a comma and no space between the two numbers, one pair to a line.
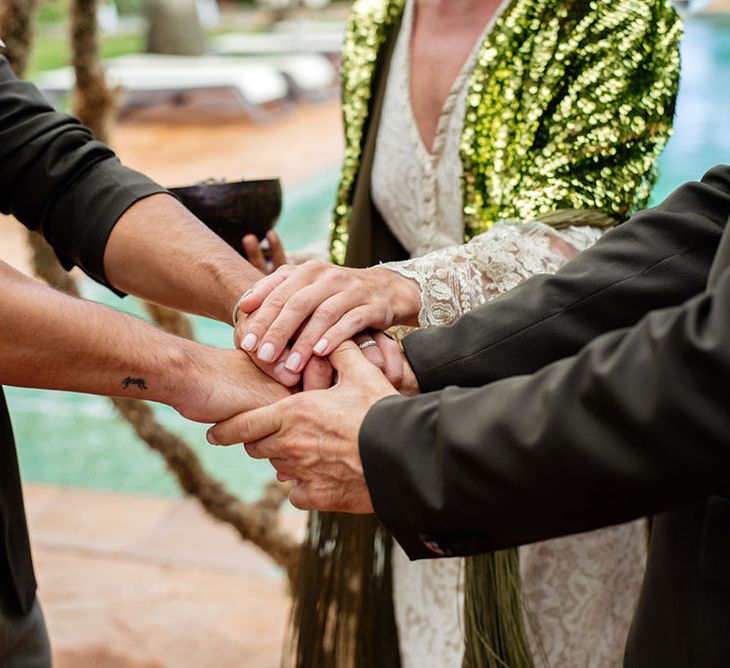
[658,259]
[458,279]
[159,251]
[52,341]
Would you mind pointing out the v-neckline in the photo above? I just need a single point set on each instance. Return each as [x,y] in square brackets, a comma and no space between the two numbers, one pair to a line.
[439,138]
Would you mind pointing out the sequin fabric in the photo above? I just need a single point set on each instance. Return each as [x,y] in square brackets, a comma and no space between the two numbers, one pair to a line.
[569,106]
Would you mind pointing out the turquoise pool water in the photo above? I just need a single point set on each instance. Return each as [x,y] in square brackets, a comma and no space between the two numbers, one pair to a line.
[77,440]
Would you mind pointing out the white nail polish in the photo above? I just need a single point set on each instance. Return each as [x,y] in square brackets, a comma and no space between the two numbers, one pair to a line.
[266,353]
[249,342]
[321,346]
[293,362]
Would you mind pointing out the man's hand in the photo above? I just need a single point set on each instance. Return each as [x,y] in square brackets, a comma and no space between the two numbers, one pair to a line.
[312,437]
[217,384]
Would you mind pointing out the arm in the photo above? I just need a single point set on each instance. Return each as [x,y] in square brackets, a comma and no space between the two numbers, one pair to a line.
[659,258]
[111,221]
[49,340]
[635,424]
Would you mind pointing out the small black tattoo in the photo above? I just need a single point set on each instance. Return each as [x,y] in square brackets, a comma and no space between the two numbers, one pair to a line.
[139,382]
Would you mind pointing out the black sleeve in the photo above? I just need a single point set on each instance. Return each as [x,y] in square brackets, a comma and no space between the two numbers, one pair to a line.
[54,178]
[636,423]
[659,258]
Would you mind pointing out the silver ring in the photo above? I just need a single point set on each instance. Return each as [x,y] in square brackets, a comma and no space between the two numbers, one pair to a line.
[367,344]
[234,314]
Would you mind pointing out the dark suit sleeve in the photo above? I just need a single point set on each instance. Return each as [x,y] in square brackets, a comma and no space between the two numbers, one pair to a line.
[54,178]
[636,423]
[658,259]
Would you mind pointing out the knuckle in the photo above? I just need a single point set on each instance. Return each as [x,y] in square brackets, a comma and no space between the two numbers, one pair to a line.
[298,304]
[327,313]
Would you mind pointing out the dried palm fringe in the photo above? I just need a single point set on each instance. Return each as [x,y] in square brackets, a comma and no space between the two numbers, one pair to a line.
[342,614]
[343,617]
[495,616]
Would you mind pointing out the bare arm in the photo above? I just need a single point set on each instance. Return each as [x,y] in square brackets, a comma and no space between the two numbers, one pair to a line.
[51,341]
[159,251]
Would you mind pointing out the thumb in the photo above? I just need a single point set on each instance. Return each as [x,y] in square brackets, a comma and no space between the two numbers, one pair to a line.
[348,360]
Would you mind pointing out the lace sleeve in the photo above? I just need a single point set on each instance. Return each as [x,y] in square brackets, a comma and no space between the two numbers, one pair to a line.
[458,279]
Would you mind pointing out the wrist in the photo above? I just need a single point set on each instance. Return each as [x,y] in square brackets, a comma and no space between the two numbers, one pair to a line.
[183,373]
[404,294]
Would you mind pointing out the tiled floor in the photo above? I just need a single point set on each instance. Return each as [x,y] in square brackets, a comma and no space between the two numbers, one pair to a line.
[143,581]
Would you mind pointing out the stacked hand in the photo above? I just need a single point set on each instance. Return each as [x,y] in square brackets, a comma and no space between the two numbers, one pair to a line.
[312,437]
[321,306]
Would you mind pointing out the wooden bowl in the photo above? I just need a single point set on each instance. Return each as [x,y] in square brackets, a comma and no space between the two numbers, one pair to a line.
[233,210]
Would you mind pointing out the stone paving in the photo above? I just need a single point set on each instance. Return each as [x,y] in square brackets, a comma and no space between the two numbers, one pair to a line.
[145,582]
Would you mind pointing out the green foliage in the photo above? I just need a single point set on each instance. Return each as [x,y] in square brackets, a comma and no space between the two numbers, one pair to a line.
[52,11]
[52,52]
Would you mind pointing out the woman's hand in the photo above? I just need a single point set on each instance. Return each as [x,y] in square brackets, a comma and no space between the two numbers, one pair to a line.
[266,255]
[321,305]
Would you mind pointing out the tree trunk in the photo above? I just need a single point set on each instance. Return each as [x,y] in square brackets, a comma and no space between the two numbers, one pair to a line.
[16,22]
[93,101]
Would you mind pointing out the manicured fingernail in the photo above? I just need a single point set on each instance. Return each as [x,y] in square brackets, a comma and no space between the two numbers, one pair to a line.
[321,346]
[266,353]
[246,295]
[293,362]
[249,342]
[211,439]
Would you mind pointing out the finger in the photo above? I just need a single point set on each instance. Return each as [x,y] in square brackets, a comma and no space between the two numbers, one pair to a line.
[313,495]
[302,496]
[282,314]
[371,352]
[263,287]
[284,473]
[345,328]
[248,427]
[278,256]
[392,358]
[278,371]
[255,256]
[335,320]
[318,374]
[312,310]
[349,361]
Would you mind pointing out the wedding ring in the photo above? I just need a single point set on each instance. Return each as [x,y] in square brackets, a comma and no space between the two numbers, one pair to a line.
[234,314]
[367,344]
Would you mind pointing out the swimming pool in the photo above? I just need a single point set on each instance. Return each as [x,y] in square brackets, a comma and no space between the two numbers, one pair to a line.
[77,440]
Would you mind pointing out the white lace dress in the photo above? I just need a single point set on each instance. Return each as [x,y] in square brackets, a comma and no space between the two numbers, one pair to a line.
[581,590]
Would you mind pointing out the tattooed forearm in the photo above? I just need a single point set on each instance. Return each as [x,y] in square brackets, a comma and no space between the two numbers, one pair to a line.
[138,382]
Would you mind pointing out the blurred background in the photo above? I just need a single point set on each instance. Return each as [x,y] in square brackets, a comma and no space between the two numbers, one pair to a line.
[133,574]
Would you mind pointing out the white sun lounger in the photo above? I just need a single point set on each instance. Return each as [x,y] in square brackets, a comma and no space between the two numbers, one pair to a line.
[150,77]
[325,42]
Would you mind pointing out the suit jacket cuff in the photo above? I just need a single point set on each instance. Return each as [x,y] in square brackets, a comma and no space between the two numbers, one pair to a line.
[392,424]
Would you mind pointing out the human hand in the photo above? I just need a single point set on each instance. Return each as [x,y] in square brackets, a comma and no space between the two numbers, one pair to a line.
[321,305]
[212,384]
[266,255]
[312,437]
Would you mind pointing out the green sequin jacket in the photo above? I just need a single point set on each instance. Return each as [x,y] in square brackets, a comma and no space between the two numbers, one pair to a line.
[569,106]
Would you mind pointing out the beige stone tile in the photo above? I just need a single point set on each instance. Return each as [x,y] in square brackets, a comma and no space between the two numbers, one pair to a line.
[186,534]
[114,612]
[92,520]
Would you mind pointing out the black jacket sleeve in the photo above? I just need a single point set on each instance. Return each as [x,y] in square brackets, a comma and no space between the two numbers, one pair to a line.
[659,258]
[636,423]
[54,178]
